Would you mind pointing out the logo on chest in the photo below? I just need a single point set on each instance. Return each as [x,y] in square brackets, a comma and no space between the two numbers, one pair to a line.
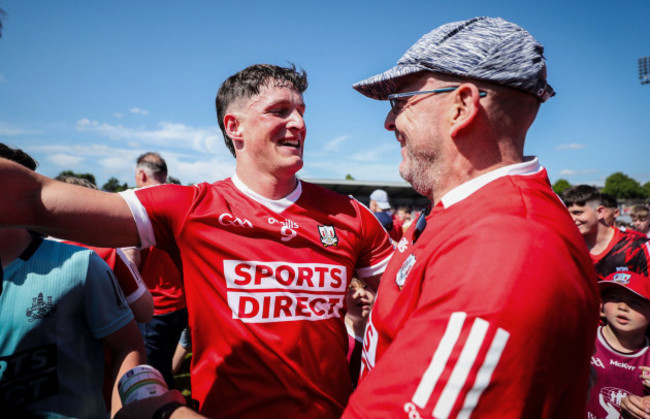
[40,308]
[288,229]
[328,236]
[404,271]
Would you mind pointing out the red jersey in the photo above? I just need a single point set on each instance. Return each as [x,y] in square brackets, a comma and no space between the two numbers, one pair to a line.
[164,280]
[125,271]
[492,312]
[265,283]
[617,376]
[628,250]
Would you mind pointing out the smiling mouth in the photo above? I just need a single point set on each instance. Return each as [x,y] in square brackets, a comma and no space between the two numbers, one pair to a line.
[290,143]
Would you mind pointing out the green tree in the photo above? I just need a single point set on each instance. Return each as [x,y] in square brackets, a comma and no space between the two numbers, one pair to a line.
[89,177]
[113,185]
[646,189]
[623,187]
[172,179]
[349,177]
[560,186]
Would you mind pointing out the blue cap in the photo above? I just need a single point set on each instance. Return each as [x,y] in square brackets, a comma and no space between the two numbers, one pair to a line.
[483,48]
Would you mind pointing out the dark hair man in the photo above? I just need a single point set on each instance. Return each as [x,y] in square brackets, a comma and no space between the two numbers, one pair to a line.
[611,249]
[164,281]
[495,284]
[266,258]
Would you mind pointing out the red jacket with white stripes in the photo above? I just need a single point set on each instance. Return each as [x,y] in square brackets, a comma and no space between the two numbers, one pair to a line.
[492,312]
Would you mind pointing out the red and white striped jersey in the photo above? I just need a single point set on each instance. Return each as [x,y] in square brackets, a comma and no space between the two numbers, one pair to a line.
[492,312]
[265,283]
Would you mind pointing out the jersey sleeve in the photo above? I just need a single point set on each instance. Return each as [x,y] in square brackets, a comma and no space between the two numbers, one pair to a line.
[376,248]
[128,277]
[159,212]
[106,308]
[478,324]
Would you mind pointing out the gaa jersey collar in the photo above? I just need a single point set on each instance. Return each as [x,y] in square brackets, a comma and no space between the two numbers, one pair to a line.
[529,166]
[275,205]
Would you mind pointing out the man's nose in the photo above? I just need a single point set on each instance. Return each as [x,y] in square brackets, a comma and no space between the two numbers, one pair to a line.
[389,123]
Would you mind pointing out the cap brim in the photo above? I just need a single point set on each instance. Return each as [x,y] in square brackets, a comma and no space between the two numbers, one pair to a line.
[380,86]
[610,284]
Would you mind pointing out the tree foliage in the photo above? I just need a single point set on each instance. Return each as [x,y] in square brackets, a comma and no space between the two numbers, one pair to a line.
[646,189]
[349,177]
[560,186]
[113,185]
[623,187]
[173,180]
[89,177]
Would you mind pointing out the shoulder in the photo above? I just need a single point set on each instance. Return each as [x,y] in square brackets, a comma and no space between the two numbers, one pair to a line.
[328,200]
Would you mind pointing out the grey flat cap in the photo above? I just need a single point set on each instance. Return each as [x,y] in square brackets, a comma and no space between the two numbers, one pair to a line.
[483,48]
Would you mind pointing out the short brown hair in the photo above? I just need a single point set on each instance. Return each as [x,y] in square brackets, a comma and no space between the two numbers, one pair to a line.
[248,83]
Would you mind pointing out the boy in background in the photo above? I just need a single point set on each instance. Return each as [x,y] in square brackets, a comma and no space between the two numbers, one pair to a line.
[621,344]
[359,301]
[640,220]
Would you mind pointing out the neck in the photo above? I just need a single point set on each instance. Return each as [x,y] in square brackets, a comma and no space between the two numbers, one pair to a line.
[358,325]
[267,184]
[624,341]
[598,241]
[13,242]
[463,173]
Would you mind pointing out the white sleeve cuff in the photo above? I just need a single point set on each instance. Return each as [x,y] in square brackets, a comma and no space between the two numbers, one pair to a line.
[141,218]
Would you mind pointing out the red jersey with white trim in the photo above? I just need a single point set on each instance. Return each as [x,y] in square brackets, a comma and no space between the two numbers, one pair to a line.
[126,273]
[628,250]
[495,307]
[265,283]
[617,376]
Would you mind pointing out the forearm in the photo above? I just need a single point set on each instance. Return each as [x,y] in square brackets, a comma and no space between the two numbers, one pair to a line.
[62,210]
[127,351]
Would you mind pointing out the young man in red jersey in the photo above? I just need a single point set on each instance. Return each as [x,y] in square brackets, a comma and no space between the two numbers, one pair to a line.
[266,258]
[476,306]
[611,249]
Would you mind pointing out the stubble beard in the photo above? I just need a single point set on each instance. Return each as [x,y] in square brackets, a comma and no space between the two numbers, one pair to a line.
[421,171]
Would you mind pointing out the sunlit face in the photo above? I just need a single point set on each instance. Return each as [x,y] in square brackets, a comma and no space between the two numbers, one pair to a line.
[624,310]
[418,128]
[272,131]
[641,223]
[360,299]
[585,217]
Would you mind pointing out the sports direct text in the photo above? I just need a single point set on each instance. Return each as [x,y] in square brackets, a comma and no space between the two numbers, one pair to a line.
[263,292]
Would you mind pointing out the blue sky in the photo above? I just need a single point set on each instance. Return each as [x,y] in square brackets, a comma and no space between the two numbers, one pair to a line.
[89,85]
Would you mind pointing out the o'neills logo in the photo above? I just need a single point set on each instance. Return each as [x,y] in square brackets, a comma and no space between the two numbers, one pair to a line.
[263,292]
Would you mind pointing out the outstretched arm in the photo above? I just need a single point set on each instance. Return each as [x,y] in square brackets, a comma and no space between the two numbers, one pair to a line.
[62,210]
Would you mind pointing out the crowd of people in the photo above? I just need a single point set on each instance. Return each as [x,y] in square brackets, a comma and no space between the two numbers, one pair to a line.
[499,300]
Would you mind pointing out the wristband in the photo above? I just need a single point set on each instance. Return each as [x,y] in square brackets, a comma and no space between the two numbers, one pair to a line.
[165,411]
[141,382]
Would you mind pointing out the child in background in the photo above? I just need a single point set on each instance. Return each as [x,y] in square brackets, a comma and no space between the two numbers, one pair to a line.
[359,301]
[621,344]
[640,219]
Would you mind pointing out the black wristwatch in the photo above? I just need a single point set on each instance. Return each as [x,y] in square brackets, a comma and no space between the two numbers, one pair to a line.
[165,411]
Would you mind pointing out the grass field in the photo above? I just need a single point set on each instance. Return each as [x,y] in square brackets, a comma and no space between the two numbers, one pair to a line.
[182,379]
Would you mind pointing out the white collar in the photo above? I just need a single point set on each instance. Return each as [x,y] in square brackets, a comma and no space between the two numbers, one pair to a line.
[529,166]
[275,205]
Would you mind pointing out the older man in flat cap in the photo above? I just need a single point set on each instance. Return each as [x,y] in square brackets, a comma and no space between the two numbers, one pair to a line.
[491,308]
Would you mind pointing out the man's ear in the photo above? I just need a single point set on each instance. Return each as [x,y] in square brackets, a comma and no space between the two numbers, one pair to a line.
[232,126]
[141,175]
[466,106]
[601,212]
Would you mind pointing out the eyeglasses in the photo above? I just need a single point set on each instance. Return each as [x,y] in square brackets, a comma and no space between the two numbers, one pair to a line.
[397,104]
